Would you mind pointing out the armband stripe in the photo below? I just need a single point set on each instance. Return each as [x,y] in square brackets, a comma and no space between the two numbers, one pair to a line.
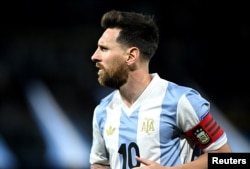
[206,132]
[216,131]
[209,122]
[213,125]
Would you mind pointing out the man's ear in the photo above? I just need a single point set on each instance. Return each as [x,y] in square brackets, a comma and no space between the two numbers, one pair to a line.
[133,55]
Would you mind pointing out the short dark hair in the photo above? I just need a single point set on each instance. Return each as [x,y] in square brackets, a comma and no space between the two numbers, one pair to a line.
[137,30]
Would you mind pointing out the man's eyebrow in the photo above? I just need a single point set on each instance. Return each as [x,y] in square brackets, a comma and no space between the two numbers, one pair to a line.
[101,45]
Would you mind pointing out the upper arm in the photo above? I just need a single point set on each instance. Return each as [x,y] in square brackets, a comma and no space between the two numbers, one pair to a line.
[196,121]
[225,148]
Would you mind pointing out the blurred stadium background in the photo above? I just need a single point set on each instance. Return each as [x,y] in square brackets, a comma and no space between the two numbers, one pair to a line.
[48,86]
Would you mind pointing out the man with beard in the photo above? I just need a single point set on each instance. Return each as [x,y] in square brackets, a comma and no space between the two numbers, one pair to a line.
[147,122]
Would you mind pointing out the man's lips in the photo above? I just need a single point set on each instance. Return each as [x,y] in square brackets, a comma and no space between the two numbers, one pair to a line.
[100,68]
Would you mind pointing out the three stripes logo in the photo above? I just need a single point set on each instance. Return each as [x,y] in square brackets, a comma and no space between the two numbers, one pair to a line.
[110,131]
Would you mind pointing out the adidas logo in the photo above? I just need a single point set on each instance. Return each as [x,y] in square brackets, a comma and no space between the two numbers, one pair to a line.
[110,131]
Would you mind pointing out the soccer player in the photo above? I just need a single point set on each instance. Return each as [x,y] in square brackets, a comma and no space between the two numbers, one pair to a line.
[146,121]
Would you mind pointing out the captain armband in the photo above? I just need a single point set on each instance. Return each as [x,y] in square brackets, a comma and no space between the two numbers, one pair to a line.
[206,132]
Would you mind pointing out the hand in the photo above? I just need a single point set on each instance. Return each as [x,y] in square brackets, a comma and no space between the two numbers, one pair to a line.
[149,164]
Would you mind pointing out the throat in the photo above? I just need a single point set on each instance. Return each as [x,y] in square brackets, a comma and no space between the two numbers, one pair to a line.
[129,102]
[133,89]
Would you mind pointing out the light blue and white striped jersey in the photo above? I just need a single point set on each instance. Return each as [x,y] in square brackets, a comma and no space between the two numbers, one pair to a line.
[153,127]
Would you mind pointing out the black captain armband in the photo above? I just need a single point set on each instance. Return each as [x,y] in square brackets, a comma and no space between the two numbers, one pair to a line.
[206,132]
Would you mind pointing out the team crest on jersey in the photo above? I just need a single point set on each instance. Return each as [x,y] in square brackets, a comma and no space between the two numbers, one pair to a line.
[201,135]
[148,125]
[110,131]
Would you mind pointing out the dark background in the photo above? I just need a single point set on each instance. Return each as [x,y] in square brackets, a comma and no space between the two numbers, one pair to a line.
[203,44]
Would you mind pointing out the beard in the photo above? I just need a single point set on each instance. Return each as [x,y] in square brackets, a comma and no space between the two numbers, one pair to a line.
[113,77]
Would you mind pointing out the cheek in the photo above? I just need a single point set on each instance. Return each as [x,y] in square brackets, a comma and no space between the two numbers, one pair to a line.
[119,65]
[115,60]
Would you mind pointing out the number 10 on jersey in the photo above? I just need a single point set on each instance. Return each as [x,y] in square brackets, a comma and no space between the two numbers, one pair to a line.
[128,153]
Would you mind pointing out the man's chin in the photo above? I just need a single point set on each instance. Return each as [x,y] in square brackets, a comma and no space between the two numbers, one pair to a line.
[100,72]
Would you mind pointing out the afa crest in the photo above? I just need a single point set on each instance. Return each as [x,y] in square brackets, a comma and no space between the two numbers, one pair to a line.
[201,135]
[148,125]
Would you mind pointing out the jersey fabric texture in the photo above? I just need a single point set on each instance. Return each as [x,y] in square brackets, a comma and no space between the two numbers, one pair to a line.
[153,127]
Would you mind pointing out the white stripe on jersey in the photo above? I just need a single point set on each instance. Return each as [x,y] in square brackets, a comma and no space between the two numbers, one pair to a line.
[151,127]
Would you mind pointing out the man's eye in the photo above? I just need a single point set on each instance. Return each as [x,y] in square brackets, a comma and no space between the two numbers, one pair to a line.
[103,48]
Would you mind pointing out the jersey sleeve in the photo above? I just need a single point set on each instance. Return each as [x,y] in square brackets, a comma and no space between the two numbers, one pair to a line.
[98,153]
[196,121]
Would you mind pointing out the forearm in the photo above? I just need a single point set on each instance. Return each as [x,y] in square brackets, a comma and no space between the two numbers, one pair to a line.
[202,161]
[99,166]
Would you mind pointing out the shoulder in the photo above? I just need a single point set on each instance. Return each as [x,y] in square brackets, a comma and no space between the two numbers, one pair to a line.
[178,92]
[172,87]
[191,109]
[105,101]
[108,98]
[175,92]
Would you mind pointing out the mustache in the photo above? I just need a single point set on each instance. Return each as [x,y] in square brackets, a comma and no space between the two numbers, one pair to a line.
[100,66]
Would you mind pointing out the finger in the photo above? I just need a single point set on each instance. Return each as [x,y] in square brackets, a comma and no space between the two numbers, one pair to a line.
[143,160]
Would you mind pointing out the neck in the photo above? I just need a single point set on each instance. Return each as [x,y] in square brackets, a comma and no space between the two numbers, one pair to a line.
[136,84]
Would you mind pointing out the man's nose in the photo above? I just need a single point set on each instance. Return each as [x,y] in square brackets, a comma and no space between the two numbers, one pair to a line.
[95,57]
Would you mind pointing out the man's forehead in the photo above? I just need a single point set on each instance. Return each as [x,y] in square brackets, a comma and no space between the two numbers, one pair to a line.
[109,35]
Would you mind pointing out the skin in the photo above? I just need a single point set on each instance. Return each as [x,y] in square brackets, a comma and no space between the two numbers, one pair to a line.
[200,163]
[132,77]
[111,56]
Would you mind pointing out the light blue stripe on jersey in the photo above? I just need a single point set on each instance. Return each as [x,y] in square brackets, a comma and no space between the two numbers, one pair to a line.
[200,110]
[102,113]
[170,144]
[169,155]
[101,116]
[128,129]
